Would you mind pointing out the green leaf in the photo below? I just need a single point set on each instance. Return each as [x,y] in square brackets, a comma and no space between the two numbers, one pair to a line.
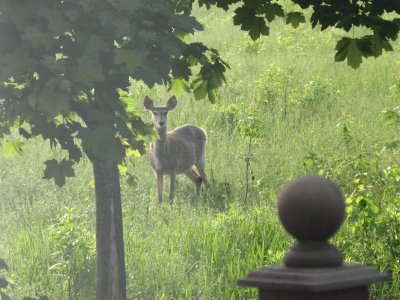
[9,36]
[37,38]
[129,5]
[212,95]
[72,14]
[390,28]
[57,24]
[12,147]
[185,22]
[122,169]
[271,10]
[132,59]
[58,171]
[127,100]
[133,152]
[52,103]
[258,28]
[88,71]
[64,136]
[217,77]
[148,36]
[224,4]
[295,18]
[141,128]
[200,88]
[74,153]
[94,46]
[179,86]
[378,44]
[131,180]
[250,22]
[181,68]
[348,49]
[195,50]
[122,26]
[55,65]
[203,88]
[346,22]
[15,64]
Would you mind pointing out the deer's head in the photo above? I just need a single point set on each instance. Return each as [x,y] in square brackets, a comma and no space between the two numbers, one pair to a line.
[159,113]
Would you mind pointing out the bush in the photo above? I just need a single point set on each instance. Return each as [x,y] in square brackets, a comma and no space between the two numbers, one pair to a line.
[370,181]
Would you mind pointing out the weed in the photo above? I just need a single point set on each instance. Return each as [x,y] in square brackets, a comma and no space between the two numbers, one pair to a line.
[72,245]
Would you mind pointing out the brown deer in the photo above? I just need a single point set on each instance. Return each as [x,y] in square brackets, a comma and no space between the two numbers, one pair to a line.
[176,151]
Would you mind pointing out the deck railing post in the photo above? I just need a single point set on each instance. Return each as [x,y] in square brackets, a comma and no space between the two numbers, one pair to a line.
[312,209]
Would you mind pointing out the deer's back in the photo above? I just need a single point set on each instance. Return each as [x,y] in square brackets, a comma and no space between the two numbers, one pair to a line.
[190,134]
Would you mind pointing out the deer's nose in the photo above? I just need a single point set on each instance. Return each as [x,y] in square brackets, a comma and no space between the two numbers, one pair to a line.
[161,123]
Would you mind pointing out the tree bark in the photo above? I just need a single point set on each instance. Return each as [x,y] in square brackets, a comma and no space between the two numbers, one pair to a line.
[110,261]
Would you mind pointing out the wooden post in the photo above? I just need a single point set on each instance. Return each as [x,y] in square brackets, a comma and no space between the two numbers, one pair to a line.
[312,208]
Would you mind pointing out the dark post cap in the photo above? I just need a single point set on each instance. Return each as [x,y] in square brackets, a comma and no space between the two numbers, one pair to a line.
[312,208]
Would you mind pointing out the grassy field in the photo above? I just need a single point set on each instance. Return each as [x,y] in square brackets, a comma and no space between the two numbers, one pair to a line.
[287,110]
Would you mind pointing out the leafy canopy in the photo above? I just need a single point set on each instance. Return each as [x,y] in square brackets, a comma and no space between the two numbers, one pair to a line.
[379,16]
[64,65]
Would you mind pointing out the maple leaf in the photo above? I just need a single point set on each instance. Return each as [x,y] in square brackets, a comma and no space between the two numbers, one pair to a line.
[349,49]
[58,171]
[295,18]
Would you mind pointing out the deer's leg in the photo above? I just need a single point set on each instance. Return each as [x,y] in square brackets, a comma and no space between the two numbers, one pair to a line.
[200,167]
[160,186]
[201,162]
[195,177]
[172,177]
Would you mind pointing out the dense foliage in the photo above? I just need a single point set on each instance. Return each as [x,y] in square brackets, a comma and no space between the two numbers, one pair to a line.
[380,17]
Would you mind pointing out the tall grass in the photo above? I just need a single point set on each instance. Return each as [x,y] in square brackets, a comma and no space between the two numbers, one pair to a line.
[303,113]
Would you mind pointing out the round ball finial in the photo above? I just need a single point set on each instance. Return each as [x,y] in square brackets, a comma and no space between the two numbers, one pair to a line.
[312,208]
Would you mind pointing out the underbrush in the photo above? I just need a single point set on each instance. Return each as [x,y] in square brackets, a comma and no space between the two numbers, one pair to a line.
[370,181]
[194,251]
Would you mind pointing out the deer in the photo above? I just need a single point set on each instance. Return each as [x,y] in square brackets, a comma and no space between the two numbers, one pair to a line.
[177,151]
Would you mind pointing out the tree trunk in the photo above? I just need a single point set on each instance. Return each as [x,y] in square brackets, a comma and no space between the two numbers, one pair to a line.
[110,261]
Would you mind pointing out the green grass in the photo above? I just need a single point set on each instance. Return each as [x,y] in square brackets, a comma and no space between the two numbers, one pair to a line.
[198,249]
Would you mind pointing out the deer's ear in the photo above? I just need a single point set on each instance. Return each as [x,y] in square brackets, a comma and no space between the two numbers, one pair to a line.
[148,103]
[171,103]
